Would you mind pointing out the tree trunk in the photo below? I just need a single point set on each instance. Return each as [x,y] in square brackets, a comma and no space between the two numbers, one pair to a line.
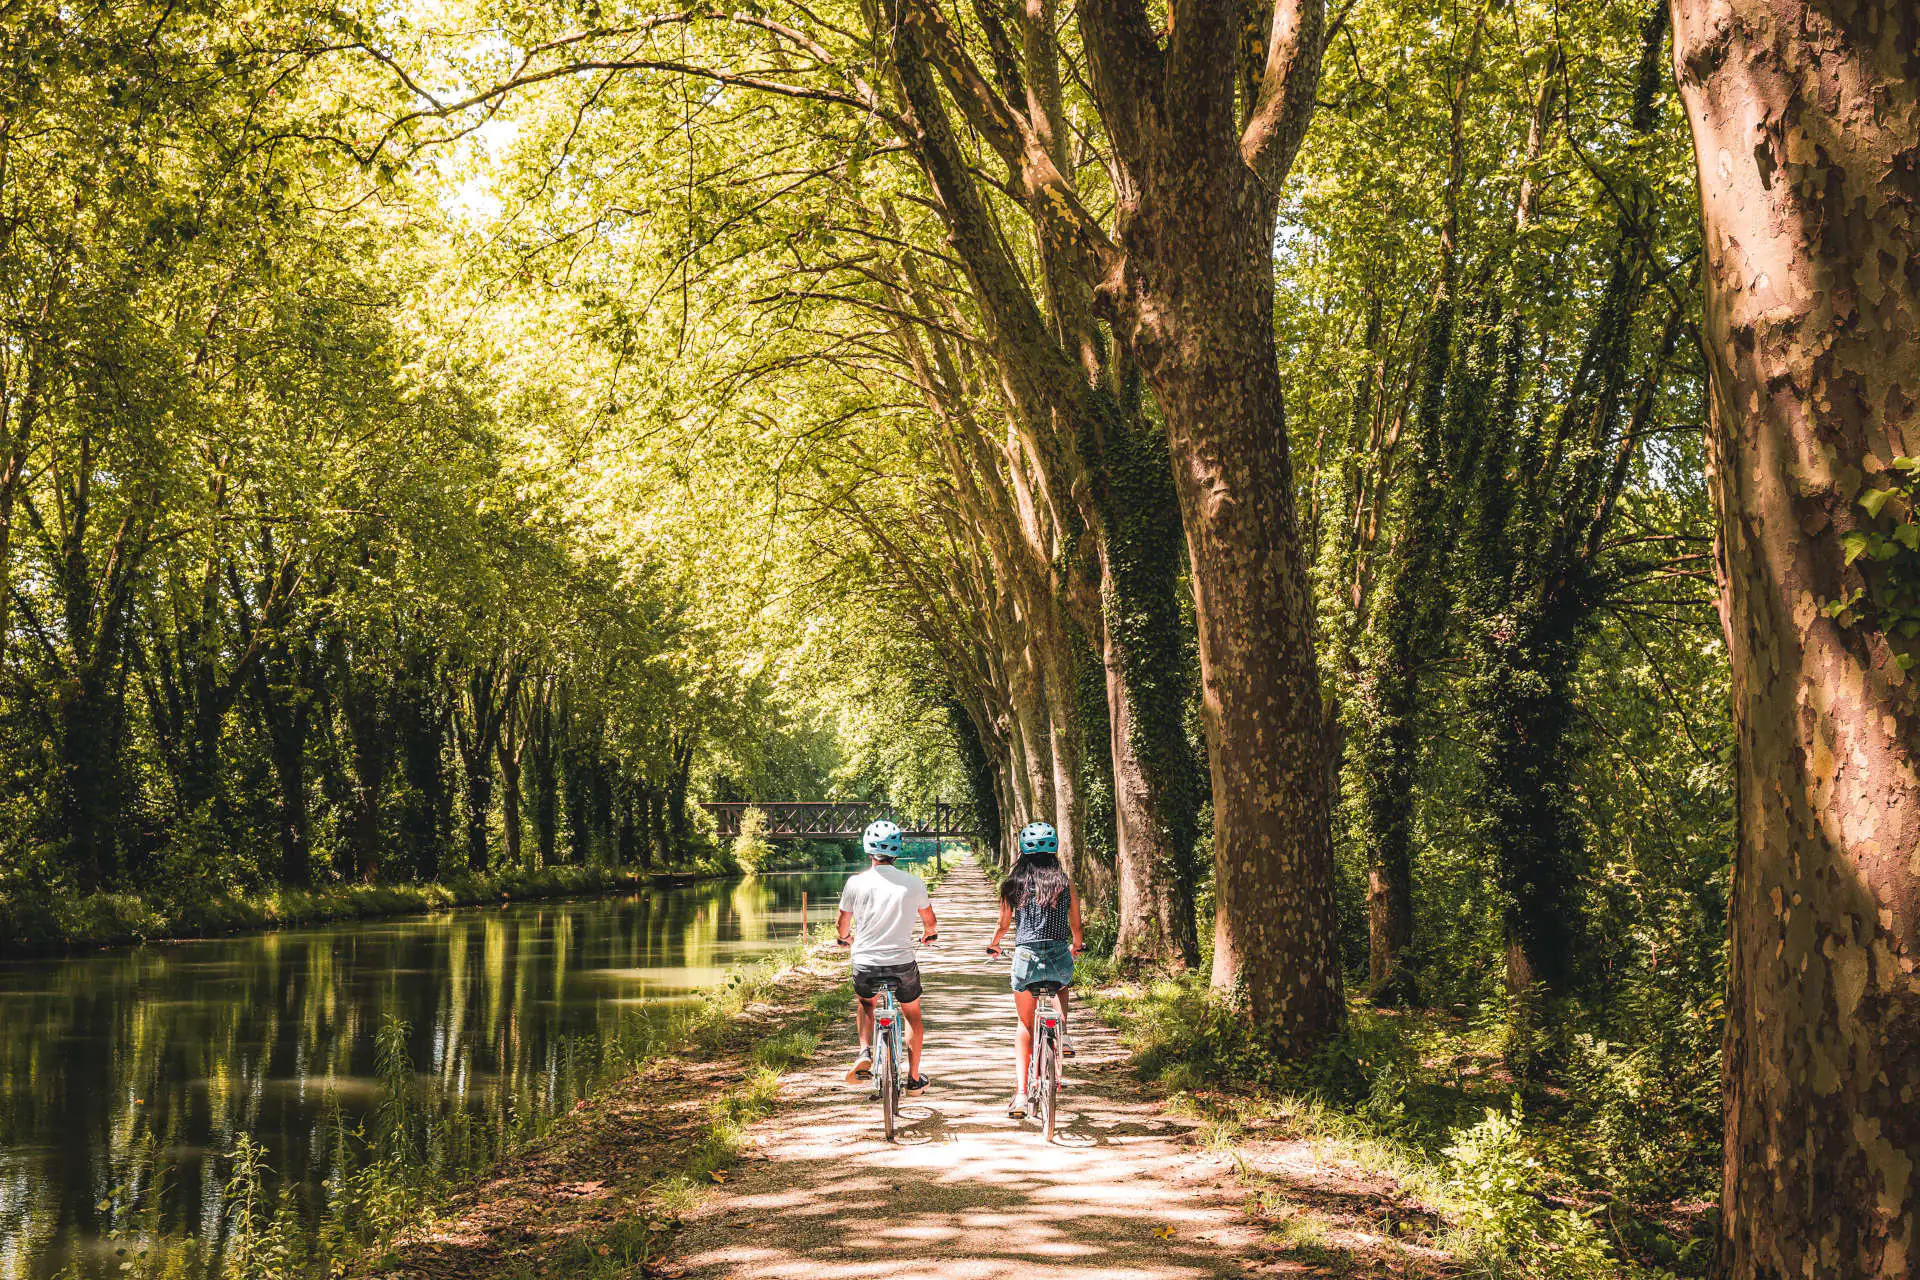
[631,846]
[370,733]
[1274,928]
[478,768]
[655,801]
[1156,914]
[282,684]
[1148,657]
[88,799]
[1806,129]
[677,829]
[510,802]
[604,833]
[579,789]
[544,748]
[1214,372]
[422,731]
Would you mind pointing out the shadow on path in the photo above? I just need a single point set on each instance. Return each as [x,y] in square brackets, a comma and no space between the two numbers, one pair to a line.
[967,1193]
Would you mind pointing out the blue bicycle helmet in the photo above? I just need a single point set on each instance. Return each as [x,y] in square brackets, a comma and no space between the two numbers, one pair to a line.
[1039,837]
[882,839]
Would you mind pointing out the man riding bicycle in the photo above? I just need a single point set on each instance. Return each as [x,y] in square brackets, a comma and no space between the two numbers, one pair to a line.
[879,905]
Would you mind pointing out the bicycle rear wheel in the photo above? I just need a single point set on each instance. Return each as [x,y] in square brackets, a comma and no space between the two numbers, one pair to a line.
[1049,1051]
[887,1076]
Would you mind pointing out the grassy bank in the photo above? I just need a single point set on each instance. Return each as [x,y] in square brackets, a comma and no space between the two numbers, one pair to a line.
[595,1191]
[51,923]
[1588,1179]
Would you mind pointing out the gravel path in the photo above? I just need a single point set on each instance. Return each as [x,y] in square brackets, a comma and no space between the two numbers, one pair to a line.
[966,1193]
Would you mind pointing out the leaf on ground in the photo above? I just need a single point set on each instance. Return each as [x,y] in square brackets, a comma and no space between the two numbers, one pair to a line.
[718,1175]
[1165,1233]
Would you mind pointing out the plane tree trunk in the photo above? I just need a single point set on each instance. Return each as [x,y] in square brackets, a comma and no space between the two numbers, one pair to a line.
[1806,128]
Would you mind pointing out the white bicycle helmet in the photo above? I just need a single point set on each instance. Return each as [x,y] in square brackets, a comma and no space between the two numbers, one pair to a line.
[882,839]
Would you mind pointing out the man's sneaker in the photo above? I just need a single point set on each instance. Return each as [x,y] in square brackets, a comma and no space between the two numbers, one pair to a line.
[1018,1107]
[862,1067]
[916,1085]
[1066,1047]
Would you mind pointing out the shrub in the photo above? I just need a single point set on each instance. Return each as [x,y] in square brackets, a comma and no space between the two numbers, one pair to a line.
[1498,1187]
[751,848]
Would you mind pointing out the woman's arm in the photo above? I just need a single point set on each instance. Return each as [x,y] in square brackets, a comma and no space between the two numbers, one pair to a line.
[1073,921]
[1006,918]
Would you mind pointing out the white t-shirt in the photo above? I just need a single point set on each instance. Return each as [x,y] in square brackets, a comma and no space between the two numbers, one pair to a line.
[884,901]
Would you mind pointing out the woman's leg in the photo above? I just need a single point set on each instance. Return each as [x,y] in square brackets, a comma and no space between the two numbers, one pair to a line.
[1022,1039]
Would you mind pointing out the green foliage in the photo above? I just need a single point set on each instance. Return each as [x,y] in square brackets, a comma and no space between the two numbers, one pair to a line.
[1504,1209]
[752,851]
[38,922]
[1577,1185]
[1887,555]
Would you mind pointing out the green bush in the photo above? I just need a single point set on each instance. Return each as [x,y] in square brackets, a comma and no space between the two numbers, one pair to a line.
[1499,1191]
[752,851]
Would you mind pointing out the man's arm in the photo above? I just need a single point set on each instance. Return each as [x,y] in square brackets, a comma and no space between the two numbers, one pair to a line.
[929,927]
[843,925]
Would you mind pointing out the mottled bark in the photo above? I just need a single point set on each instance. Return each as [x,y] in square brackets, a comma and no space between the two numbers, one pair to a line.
[1188,285]
[1274,928]
[1806,127]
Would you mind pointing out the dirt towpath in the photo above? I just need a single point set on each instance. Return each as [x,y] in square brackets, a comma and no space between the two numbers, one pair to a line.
[967,1193]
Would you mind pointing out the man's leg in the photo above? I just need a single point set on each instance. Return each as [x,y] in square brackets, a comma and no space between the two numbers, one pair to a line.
[915,1032]
[863,1017]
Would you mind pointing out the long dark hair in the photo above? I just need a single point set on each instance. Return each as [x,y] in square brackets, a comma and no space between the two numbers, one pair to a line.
[1037,877]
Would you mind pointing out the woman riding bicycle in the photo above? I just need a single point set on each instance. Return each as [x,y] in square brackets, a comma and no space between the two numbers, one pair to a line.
[1037,900]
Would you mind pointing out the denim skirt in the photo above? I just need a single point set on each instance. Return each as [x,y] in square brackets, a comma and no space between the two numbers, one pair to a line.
[1042,962]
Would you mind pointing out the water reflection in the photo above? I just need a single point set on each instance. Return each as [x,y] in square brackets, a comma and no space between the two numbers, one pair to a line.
[125,1076]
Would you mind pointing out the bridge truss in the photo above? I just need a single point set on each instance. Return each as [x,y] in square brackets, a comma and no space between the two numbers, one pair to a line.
[827,819]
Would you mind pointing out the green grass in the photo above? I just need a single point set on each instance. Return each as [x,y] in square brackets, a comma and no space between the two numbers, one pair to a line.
[1420,1101]
[40,924]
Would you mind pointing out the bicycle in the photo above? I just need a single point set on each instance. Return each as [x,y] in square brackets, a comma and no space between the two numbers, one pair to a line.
[889,1046]
[1045,1048]
[1043,1054]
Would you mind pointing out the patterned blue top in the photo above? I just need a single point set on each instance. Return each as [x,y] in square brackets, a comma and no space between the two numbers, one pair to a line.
[1036,922]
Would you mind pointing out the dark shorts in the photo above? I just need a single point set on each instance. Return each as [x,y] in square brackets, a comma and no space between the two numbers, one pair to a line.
[866,981]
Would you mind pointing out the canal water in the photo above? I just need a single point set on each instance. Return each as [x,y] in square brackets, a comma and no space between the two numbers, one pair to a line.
[129,1078]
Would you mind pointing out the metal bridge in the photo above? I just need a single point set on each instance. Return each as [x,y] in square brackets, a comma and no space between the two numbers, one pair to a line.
[826,819]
